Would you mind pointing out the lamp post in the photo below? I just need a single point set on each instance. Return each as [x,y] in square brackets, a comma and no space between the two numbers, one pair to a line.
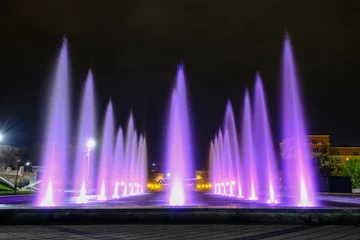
[90,144]
[18,160]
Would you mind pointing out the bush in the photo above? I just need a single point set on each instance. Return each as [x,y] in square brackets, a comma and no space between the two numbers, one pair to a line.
[4,188]
[351,168]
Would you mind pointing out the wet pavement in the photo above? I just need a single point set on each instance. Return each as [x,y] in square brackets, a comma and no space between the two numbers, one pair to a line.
[188,231]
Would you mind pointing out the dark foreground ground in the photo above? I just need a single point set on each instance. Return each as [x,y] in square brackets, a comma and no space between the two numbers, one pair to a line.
[149,232]
[205,208]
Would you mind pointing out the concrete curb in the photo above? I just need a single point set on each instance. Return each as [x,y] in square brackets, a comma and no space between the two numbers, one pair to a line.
[177,215]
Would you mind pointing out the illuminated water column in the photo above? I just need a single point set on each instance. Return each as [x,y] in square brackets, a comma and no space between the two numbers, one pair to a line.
[212,166]
[299,172]
[133,160]
[118,163]
[265,155]
[106,158]
[128,153]
[83,177]
[234,163]
[247,148]
[178,151]
[55,155]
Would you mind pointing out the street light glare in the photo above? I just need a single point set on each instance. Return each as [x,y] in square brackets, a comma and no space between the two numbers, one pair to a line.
[1,137]
[90,143]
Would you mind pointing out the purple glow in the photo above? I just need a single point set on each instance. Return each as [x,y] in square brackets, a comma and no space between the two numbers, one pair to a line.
[265,155]
[55,157]
[247,148]
[234,161]
[84,161]
[106,158]
[118,162]
[299,172]
[128,154]
[178,155]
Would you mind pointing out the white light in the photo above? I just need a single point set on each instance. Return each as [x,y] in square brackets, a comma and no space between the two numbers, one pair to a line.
[168,174]
[28,163]
[90,143]
[1,137]
[154,164]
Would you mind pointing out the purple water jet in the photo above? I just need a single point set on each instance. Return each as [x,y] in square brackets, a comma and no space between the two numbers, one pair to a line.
[265,155]
[247,147]
[299,172]
[106,159]
[128,154]
[55,157]
[178,152]
[83,177]
[118,163]
[234,161]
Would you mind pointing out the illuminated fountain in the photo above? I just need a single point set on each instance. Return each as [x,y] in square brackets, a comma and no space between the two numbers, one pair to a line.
[55,156]
[298,171]
[265,155]
[234,156]
[226,158]
[118,163]
[248,152]
[83,175]
[178,151]
[104,182]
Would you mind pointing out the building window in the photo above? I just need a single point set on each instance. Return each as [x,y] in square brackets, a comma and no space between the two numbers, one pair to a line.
[315,150]
[323,141]
[314,141]
[356,153]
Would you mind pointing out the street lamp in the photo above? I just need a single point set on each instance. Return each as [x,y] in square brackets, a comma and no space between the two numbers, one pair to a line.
[27,164]
[90,143]
[18,160]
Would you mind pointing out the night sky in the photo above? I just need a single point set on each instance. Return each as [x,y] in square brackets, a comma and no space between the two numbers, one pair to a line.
[134,48]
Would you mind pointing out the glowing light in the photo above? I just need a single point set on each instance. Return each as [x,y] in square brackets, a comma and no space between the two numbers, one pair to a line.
[102,196]
[82,198]
[1,137]
[116,191]
[48,200]
[178,198]
[253,194]
[198,177]
[304,195]
[90,143]
[168,174]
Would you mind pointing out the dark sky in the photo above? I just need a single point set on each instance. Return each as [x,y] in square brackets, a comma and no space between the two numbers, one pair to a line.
[134,47]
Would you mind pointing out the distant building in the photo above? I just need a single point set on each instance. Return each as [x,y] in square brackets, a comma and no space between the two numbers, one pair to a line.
[318,144]
[8,156]
[346,152]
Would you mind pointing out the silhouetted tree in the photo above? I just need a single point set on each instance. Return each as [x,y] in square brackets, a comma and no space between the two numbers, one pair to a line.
[329,165]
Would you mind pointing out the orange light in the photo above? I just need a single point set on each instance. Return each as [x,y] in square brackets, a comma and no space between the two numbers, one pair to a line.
[198,177]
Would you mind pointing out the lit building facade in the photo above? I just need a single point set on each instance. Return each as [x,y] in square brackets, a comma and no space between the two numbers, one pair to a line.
[320,144]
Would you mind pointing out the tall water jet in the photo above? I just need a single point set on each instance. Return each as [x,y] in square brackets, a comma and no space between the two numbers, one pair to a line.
[106,158]
[118,163]
[212,166]
[55,155]
[143,166]
[265,155]
[247,148]
[299,172]
[128,154]
[133,161]
[83,176]
[178,152]
[234,162]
